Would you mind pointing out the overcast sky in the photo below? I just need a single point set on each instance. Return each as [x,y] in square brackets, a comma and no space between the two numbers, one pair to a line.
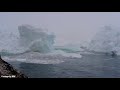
[68,26]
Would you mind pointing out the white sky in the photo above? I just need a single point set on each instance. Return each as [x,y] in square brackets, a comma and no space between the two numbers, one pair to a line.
[69,27]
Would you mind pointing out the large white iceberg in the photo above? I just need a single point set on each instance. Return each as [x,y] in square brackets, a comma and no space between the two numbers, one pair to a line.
[107,40]
[36,39]
[27,39]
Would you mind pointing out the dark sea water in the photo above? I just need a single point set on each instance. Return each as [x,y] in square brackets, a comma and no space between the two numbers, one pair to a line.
[89,66]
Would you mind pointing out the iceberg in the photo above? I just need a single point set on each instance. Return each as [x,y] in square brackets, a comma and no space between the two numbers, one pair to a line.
[107,40]
[36,39]
[27,39]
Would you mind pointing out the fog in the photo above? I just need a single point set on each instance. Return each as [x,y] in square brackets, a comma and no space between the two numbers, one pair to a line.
[69,27]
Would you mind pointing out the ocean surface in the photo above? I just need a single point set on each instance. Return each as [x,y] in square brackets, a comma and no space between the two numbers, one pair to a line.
[88,66]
